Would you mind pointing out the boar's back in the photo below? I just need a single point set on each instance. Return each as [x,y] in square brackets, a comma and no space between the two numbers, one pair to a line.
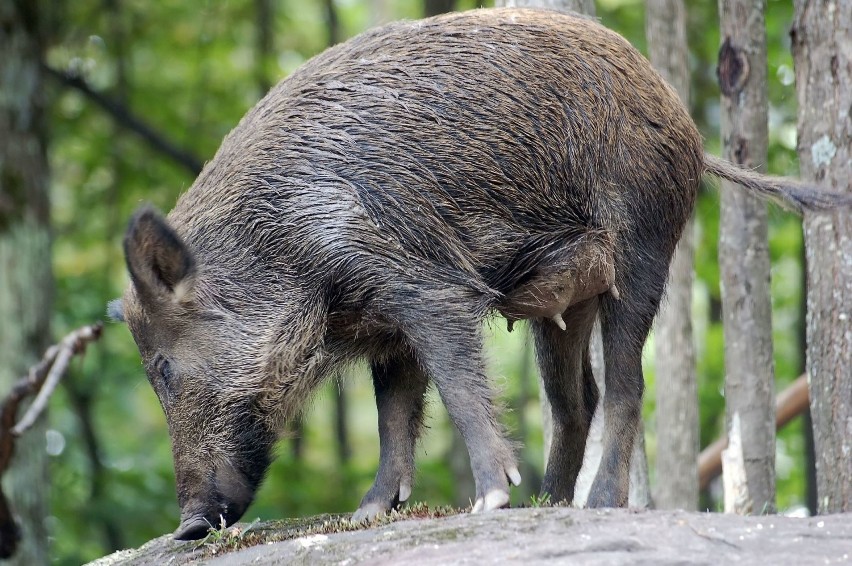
[472,145]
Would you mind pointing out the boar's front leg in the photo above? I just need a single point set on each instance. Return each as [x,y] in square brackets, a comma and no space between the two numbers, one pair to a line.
[400,387]
[448,344]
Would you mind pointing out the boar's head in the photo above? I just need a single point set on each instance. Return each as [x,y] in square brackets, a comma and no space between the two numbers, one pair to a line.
[200,360]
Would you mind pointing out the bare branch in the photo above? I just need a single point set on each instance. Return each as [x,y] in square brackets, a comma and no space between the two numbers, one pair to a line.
[71,345]
[790,403]
[41,378]
[127,119]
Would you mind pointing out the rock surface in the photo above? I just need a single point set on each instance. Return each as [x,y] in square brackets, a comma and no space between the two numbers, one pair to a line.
[529,536]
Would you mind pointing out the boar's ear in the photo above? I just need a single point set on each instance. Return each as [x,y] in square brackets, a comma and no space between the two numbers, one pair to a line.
[160,264]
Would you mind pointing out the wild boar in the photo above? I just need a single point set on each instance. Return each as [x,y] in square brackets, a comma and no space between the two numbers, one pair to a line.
[380,203]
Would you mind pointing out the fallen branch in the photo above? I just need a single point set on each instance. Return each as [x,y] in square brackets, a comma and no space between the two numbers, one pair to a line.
[41,381]
[790,403]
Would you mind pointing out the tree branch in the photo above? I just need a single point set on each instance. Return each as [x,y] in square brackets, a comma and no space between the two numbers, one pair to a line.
[125,117]
[789,404]
[41,379]
[71,345]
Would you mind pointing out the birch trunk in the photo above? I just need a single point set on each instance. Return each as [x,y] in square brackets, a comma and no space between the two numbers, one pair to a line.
[744,252]
[676,386]
[822,49]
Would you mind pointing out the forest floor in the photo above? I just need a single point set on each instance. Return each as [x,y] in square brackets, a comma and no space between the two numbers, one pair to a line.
[553,535]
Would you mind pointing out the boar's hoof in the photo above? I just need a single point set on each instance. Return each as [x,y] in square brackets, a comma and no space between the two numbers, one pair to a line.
[494,499]
[514,476]
[193,528]
[366,513]
[404,492]
[369,511]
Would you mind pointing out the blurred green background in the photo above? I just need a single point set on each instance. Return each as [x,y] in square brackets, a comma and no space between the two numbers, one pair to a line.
[190,70]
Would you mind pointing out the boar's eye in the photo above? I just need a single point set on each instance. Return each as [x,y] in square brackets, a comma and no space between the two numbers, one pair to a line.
[163,371]
[164,368]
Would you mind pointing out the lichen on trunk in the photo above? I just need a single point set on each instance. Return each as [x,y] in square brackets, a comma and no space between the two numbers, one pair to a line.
[822,50]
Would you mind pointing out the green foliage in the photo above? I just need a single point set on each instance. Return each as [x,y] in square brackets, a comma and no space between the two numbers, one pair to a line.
[224,539]
[229,539]
[190,70]
[542,500]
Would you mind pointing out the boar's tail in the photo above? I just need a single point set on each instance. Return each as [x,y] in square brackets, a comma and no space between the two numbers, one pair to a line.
[788,193]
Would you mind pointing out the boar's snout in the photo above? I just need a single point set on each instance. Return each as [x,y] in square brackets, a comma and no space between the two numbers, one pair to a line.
[208,508]
[196,519]
[196,522]
[194,527]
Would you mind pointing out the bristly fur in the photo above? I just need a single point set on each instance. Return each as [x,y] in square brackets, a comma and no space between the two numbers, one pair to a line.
[383,200]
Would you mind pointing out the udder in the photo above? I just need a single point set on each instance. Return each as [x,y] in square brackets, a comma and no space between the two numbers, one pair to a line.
[586,270]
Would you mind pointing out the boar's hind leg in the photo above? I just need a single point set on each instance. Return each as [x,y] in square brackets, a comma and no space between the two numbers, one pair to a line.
[566,371]
[400,387]
[449,347]
[625,324]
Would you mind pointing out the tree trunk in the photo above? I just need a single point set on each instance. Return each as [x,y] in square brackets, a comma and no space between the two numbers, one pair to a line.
[531,478]
[677,390]
[807,425]
[811,497]
[264,18]
[457,457]
[640,491]
[594,442]
[332,22]
[341,425]
[744,251]
[25,272]
[822,49]
[435,7]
